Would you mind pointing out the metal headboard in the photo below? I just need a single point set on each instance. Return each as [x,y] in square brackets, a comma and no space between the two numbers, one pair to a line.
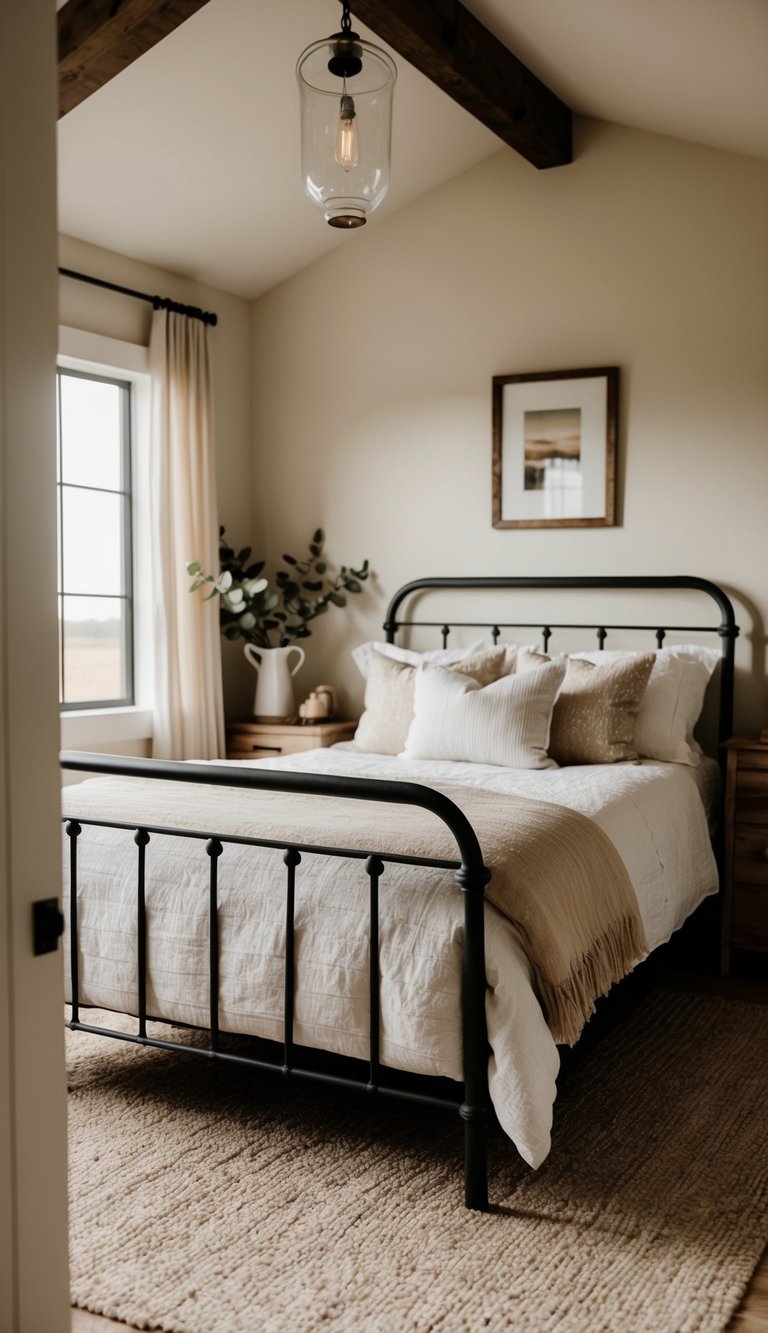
[726,629]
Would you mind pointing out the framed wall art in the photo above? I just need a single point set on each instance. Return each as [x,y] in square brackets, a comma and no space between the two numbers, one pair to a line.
[554,449]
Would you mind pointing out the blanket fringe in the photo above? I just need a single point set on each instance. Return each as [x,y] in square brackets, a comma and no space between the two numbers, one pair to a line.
[570,1003]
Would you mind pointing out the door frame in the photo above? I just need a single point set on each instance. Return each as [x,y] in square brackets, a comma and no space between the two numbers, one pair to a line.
[34,1295]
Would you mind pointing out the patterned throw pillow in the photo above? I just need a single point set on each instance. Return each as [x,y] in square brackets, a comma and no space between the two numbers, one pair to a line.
[672,702]
[595,715]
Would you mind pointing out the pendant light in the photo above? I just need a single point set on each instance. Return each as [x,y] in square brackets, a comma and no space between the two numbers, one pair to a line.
[345,87]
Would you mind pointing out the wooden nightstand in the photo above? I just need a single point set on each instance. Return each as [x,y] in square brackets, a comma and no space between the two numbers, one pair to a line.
[745,888]
[260,740]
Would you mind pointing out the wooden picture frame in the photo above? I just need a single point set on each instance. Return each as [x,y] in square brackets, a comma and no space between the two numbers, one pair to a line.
[554,449]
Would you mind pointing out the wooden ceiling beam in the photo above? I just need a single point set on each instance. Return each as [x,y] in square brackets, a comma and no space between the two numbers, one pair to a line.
[453,49]
[100,38]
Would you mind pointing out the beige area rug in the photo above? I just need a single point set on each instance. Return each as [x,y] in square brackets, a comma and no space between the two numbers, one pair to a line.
[218,1200]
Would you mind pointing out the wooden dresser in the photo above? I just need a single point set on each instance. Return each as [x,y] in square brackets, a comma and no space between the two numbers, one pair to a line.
[745,887]
[260,740]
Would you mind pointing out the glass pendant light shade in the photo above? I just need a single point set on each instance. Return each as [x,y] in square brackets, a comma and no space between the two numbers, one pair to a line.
[345,87]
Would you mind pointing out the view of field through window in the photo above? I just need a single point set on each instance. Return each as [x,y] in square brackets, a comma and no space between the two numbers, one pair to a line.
[94,540]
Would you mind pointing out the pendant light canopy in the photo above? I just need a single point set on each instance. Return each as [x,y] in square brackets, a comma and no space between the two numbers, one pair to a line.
[345,85]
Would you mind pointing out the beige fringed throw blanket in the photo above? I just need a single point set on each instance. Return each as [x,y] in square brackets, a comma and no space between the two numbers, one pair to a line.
[554,874]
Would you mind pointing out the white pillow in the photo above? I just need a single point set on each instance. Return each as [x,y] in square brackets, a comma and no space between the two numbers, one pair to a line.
[505,723]
[384,725]
[673,700]
[444,656]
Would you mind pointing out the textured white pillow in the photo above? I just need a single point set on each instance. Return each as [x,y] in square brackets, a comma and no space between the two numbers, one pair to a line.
[383,727]
[505,723]
[673,700]
[442,656]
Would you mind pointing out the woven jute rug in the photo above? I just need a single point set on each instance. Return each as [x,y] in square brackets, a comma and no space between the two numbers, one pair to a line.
[208,1199]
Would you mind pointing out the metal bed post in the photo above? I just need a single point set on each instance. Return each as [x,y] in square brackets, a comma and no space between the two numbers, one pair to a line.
[474,1109]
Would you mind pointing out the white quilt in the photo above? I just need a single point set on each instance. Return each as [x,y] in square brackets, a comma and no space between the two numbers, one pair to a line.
[653,813]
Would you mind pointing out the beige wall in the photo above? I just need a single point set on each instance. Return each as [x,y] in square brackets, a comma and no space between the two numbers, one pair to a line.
[115,316]
[372,376]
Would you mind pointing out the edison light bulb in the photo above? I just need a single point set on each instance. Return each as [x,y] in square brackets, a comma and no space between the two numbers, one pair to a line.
[347,139]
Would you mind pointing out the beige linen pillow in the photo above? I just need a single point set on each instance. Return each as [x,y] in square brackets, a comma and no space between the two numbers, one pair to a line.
[505,723]
[361,655]
[383,727]
[594,717]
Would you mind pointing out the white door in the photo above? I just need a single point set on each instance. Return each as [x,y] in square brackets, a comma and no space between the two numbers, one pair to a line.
[33,1237]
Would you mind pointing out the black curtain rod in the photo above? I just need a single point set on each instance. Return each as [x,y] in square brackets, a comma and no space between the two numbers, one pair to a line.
[157,302]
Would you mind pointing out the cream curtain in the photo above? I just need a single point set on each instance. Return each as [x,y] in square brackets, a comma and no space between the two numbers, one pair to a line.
[188,712]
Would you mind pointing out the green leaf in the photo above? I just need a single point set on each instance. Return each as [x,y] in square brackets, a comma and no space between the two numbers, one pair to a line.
[193,567]
[314,550]
[253,587]
[247,621]
[320,566]
[271,601]
[313,585]
[224,581]
[290,590]
[319,537]
[337,598]
[232,632]
[243,555]
[289,559]
[352,585]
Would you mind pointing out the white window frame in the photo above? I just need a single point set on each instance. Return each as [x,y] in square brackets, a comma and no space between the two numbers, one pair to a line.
[89,727]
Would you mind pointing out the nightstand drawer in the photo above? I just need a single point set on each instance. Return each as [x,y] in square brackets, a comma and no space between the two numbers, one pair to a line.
[756,759]
[752,795]
[745,863]
[750,854]
[240,747]
[270,740]
[750,917]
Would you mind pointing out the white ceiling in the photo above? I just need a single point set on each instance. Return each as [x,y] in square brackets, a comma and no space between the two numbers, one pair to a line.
[189,160]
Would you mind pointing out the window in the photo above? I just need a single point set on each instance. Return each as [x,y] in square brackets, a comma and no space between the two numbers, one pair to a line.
[95,545]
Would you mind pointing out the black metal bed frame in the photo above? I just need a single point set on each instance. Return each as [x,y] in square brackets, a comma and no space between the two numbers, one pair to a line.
[469,870]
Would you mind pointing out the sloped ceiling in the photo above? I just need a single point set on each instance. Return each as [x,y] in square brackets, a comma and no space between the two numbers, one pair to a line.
[189,159]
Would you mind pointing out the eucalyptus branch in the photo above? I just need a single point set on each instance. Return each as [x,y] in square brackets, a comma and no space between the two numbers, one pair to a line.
[267,617]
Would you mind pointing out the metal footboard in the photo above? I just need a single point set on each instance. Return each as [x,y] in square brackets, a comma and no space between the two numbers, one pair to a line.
[470,874]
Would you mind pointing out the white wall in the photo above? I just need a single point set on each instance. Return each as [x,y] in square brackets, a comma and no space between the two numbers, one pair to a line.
[372,377]
[115,316]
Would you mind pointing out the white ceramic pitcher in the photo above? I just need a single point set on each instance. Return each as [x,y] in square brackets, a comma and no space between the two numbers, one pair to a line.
[274,700]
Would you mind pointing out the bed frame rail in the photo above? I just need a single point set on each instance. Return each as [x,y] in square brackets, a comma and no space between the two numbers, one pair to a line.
[471,876]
